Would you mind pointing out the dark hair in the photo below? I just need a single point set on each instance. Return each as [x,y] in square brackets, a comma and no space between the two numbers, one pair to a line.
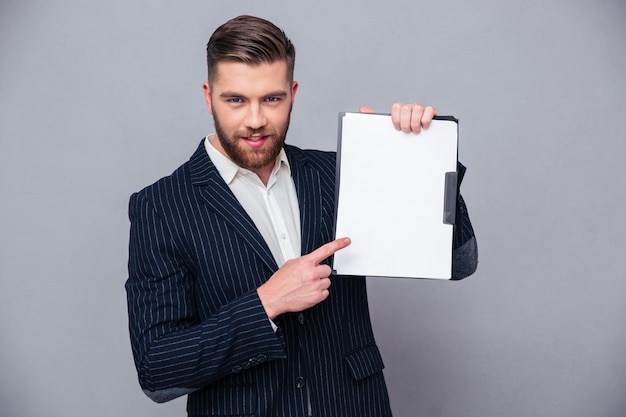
[249,40]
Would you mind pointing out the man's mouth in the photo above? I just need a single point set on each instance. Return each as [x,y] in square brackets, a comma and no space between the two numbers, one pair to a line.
[255,141]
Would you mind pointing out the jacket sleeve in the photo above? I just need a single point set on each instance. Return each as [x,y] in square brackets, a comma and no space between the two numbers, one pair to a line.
[465,248]
[174,352]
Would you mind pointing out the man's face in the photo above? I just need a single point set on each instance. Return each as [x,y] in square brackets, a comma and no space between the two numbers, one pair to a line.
[251,107]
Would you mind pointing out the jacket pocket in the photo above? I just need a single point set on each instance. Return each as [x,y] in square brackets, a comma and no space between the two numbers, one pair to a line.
[365,362]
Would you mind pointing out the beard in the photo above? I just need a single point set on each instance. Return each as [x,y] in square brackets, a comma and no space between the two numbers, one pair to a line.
[245,156]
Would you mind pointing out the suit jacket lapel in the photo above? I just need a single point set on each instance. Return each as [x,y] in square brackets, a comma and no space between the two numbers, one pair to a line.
[307,182]
[217,195]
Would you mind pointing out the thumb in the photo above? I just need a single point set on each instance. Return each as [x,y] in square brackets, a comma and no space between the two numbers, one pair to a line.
[366,109]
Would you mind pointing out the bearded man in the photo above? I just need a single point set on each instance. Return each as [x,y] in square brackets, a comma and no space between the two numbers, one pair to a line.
[229,289]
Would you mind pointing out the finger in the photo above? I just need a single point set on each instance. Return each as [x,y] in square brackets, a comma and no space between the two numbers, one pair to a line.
[325,284]
[365,109]
[395,115]
[324,288]
[416,114]
[323,271]
[324,251]
[427,117]
[408,115]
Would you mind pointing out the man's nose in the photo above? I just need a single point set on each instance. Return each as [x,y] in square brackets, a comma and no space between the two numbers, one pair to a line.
[255,118]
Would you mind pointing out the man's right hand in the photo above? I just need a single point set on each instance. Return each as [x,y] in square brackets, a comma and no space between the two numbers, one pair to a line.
[300,283]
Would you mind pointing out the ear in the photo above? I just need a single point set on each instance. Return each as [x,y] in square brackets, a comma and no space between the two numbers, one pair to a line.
[294,88]
[207,97]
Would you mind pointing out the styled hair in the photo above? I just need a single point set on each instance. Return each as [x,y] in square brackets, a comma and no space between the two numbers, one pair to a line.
[249,40]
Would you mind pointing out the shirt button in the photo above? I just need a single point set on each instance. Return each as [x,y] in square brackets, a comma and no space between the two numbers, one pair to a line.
[283,236]
[301,318]
[300,382]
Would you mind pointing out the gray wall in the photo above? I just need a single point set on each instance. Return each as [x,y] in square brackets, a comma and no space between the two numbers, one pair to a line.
[98,99]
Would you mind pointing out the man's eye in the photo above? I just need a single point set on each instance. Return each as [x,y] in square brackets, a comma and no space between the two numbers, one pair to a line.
[235,100]
[272,99]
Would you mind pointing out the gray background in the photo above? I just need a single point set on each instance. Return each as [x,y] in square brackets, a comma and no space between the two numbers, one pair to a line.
[98,99]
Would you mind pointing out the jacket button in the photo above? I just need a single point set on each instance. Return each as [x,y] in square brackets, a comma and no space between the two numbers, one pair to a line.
[261,357]
[237,369]
[301,318]
[300,382]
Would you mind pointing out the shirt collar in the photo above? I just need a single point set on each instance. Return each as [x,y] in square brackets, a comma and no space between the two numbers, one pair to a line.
[229,170]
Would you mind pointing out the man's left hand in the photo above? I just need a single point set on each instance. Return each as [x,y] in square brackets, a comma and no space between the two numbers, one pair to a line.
[408,117]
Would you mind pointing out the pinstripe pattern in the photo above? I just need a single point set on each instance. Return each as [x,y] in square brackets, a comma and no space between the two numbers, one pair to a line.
[197,324]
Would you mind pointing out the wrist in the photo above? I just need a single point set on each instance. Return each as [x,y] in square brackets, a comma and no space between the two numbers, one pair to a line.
[269,306]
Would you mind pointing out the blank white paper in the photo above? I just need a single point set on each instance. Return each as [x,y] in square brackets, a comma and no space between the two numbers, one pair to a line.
[390,198]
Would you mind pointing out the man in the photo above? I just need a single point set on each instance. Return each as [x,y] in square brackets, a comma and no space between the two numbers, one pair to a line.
[222,306]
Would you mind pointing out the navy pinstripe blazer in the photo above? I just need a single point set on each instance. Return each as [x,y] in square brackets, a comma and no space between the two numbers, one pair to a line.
[197,325]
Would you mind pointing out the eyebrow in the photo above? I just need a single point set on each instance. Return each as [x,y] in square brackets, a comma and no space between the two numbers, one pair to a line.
[232,94]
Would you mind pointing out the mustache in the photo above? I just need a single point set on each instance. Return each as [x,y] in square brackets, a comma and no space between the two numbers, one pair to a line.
[262,132]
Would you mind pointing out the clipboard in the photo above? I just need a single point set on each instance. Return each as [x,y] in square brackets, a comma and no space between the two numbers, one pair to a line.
[395,197]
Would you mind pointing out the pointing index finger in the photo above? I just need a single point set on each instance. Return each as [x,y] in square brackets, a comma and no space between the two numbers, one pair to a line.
[328,249]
